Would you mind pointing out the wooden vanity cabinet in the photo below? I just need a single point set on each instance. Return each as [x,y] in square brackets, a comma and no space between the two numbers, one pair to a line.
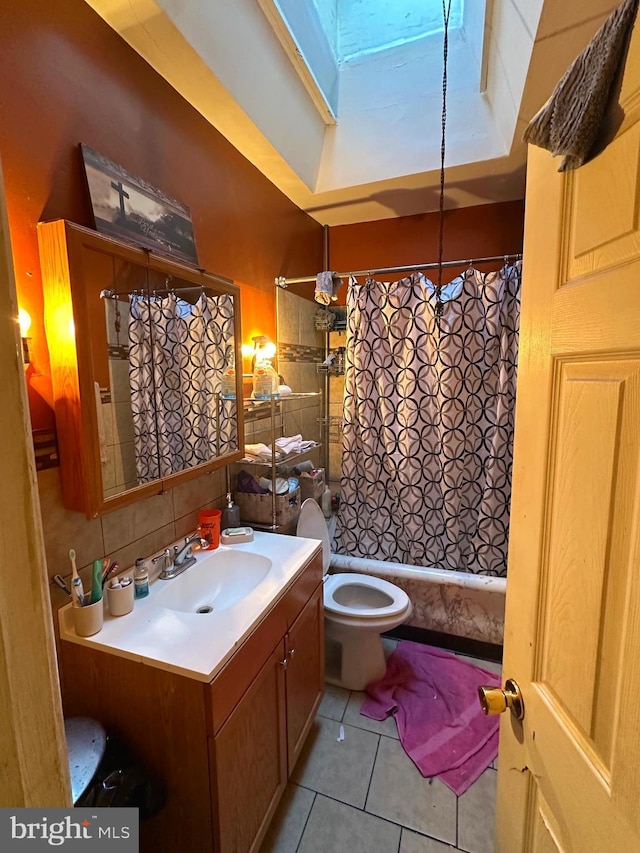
[305,674]
[224,750]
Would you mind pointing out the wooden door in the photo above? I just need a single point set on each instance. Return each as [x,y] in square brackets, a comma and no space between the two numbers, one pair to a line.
[249,761]
[305,673]
[34,768]
[569,776]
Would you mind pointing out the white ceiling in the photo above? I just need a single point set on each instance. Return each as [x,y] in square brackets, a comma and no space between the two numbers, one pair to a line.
[235,61]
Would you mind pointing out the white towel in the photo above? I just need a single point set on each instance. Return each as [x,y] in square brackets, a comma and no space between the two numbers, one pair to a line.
[257,452]
[293,444]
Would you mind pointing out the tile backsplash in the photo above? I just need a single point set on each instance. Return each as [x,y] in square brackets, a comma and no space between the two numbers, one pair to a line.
[133,531]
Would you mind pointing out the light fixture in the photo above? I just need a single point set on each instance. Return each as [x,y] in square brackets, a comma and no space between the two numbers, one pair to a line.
[261,344]
[261,348]
[24,321]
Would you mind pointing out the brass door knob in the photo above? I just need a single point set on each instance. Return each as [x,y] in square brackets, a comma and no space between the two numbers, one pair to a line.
[494,700]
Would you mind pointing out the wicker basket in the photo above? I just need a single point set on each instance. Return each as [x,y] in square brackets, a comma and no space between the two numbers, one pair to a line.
[311,487]
[258,508]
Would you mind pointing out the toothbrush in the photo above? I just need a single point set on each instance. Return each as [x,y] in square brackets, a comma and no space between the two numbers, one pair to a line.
[74,570]
[76,581]
[78,592]
[108,569]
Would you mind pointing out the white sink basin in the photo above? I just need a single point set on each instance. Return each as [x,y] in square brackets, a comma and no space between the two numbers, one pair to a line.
[215,583]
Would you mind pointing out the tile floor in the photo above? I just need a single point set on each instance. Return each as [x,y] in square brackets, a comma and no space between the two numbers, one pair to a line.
[365,795]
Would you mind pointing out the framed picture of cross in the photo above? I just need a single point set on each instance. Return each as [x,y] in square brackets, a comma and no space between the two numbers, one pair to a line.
[132,209]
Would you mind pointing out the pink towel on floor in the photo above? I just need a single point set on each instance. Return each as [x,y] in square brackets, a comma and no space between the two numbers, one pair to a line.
[434,698]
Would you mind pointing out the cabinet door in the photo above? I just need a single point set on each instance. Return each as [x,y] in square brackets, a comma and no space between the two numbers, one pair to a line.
[305,673]
[248,761]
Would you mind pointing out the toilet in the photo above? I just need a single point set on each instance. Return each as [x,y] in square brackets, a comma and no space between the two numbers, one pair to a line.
[357,609]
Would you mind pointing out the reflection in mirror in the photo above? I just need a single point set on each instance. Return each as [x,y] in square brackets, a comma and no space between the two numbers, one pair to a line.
[175,373]
[117,421]
[138,346]
[112,279]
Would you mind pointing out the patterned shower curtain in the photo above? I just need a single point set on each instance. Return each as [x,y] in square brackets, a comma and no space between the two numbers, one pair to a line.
[177,352]
[428,421]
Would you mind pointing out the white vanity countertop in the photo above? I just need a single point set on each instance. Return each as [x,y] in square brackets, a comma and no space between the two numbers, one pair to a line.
[192,644]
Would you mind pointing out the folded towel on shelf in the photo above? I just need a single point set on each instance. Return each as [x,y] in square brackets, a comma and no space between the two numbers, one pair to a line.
[293,444]
[258,453]
[327,284]
[574,122]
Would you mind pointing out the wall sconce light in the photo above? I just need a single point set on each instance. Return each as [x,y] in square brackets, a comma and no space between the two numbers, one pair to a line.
[261,343]
[24,321]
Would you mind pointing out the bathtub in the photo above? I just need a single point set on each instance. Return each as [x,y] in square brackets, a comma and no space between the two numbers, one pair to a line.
[458,603]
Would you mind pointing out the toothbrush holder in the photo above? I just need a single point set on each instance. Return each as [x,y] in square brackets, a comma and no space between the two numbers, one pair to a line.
[88,620]
[120,600]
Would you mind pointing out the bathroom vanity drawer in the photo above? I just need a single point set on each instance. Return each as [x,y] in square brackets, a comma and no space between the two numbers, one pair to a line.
[229,685]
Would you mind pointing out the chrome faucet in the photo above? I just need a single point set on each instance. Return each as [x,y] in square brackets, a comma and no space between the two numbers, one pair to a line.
[182,557]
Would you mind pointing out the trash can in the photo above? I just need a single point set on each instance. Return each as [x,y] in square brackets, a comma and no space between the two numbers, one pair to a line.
[105,773]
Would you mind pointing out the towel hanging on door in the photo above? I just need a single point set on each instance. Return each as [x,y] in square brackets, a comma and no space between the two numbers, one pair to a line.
[572,122]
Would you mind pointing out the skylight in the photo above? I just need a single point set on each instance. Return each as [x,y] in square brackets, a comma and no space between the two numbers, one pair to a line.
[357,27]
[325,38]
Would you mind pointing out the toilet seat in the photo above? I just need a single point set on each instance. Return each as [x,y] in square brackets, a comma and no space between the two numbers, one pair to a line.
[363,596]
[313,525]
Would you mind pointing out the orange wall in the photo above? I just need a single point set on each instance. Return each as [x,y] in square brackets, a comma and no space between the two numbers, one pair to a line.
[470,232]
[65,78]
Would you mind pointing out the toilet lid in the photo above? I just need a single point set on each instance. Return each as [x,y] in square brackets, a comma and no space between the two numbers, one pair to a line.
[313,525]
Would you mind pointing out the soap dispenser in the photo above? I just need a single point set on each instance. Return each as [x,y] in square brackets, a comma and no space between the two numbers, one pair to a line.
[230,514]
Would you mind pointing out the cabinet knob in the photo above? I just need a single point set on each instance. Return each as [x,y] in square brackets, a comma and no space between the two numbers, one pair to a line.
[283,663]
[291,652]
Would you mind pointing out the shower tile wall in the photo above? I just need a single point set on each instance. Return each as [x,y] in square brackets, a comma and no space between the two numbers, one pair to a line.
[141,529]
[301,347]
[336,394]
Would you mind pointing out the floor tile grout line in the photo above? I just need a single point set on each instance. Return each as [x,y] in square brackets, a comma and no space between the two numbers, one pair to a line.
[344,710]
[304,828]
[373,770]
[374,815]
[354,724]
[419,832]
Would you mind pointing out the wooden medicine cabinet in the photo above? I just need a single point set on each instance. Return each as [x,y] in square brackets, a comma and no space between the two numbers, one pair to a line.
[138,345]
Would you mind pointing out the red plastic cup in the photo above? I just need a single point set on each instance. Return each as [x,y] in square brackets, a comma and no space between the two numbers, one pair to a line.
[209,521]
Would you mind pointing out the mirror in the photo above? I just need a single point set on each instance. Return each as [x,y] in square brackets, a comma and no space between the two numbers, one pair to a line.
[152,341]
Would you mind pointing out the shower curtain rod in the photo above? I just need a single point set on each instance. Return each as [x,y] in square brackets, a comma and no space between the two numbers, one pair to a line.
[281,281]
[114,294]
